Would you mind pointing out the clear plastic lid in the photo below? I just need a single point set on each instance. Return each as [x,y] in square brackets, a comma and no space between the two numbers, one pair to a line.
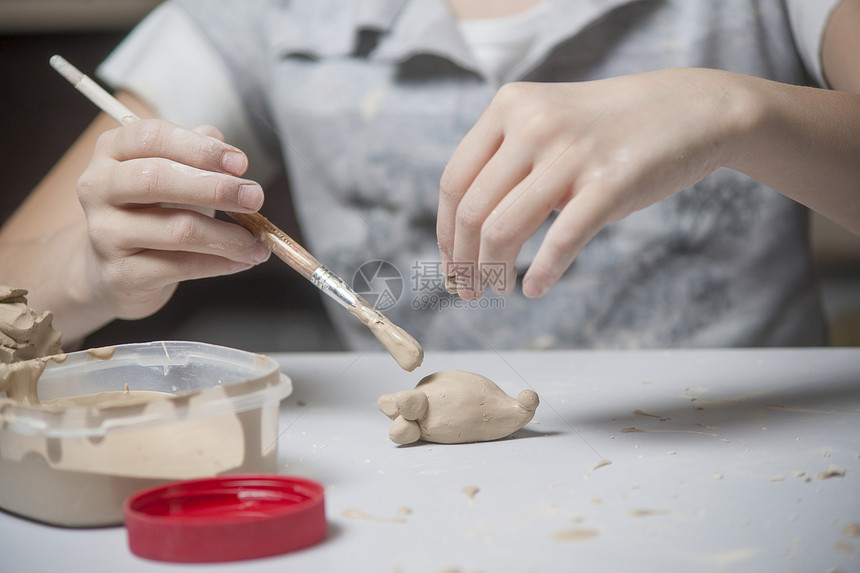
[197,380]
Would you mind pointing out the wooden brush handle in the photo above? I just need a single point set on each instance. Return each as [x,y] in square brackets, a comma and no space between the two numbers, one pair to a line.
[281,244]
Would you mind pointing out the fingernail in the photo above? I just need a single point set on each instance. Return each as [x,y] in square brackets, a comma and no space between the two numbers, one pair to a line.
[260,254]
[532,288]
[234,162]
[250,196]
[468,294]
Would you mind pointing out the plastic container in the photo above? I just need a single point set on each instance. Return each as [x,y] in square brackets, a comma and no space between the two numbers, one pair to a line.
[218,414]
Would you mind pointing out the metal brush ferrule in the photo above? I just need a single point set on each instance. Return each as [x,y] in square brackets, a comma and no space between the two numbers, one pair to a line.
[335,287]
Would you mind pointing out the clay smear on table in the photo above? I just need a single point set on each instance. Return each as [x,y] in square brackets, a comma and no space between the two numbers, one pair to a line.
[661,418]
[455,406]
[580,534]
[646,512]
[358,514]
[634,430]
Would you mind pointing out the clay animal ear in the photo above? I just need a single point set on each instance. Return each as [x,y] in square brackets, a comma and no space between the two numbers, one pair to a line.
[404,431]
[528,399]
[387,405]
[412,404]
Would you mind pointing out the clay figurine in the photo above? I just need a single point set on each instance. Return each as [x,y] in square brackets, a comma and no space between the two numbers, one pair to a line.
[453,407]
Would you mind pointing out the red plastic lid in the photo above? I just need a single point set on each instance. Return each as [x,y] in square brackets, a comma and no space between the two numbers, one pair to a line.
[226,518]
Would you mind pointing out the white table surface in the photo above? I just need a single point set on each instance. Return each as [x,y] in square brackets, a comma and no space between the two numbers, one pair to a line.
[726,477]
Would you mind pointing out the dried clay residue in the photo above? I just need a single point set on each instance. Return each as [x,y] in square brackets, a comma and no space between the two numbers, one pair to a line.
[831,472]
[798,409]
[602,464]
[578,534]
[471,491]
[358,514]
[641,413]
[845,547]
[633,429]
[646,512]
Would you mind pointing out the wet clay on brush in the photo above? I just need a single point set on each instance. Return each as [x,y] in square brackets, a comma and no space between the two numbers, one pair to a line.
[455,406]
[399,343]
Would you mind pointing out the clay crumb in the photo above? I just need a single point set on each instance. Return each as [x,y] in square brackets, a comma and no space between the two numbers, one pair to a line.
[646,512]
[776,478]
[718,476]
[845,547]
[126,388]
[301,403]
[578,534]
[641,413]
[601,464]
[831,471]
[798,473]
[851,529]
[471,491]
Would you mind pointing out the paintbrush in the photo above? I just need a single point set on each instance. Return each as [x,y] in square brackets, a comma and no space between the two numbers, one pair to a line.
[400,344]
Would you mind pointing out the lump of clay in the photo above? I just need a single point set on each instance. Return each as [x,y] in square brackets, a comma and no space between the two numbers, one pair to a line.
[453,407]
[24,334]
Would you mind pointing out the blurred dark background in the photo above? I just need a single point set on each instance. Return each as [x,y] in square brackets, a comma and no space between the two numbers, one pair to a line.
[269,308]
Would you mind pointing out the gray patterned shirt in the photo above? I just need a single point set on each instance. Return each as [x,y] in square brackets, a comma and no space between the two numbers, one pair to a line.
[366,101]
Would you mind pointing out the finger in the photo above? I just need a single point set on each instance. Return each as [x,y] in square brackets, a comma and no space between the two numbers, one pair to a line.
[178,230]
[155,180]
[502,173]
[520,214]
[152,272]
[473,152]
[159,138]
[168,267]
[577,223]
[211,131]
[517,217]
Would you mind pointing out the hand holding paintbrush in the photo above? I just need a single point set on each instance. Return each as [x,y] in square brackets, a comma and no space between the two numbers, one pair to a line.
[399,343]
